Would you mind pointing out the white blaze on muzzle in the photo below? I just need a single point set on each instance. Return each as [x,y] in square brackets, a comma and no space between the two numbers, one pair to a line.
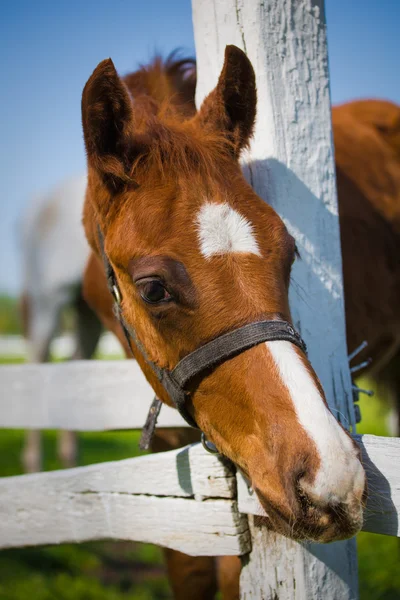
[340,477]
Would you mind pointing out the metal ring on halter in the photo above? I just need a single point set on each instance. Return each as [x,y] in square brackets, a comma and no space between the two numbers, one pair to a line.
[116,293]
[209,446]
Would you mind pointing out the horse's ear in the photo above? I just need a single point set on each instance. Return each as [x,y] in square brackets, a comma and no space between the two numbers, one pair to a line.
[231,106]
[108,125]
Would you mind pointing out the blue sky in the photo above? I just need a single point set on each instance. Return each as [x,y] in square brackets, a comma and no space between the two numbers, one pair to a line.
[48,50]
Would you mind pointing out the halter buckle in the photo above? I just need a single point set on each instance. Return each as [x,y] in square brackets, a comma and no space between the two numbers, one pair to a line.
[209,446]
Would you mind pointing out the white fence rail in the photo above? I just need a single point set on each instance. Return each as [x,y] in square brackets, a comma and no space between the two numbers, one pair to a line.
[81,396]
[109,500]
[184,499]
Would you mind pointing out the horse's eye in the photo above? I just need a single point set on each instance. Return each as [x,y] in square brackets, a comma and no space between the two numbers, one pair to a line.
[154,292]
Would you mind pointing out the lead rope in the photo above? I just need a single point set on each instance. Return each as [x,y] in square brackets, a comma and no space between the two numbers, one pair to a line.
[150,424]
[155,408]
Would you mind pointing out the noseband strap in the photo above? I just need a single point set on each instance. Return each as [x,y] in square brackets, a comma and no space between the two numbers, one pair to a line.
[200,362]
[232,343]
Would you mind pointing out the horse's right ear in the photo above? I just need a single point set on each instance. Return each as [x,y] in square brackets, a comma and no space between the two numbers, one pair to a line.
[108,125]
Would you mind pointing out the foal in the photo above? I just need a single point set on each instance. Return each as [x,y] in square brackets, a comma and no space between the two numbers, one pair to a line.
[196,253]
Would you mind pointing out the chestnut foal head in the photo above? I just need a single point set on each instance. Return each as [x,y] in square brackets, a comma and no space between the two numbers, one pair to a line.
[197,253]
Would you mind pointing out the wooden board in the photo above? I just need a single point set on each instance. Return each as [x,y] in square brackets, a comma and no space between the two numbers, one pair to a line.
[194,527]
[137,499]
[81,396]
[185,472]
[381,458]
[182,499]
[291,166]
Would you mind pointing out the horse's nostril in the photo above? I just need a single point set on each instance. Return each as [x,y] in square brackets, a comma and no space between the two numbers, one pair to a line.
[301,496]
[300,481]
[302,499]
[299,476]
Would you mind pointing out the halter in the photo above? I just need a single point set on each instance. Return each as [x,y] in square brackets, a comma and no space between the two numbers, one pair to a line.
[201,361]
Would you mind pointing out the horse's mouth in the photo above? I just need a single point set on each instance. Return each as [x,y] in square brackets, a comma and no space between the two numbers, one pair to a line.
[311,523]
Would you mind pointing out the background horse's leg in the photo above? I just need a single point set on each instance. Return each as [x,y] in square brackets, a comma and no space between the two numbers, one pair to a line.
[67,448]
[40,318]
[191,577]
[31,457]
[88,332]
[228,573]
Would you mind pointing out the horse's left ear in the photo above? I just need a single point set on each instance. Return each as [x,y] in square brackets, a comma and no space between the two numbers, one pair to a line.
[231,106]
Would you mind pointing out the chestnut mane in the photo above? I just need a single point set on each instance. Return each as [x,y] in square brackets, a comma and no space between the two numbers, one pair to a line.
[173,78]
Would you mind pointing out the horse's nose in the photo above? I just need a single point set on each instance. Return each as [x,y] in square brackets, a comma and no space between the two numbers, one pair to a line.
[344,487]
[336,515]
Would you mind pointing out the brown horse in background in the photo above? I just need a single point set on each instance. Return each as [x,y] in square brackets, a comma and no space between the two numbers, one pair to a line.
[194,250]
[367,153]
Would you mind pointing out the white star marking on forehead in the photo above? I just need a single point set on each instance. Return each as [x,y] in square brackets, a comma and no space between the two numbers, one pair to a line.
[223,230]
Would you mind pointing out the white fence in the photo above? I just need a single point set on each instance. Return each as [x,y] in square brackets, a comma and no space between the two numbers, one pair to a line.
[187,499]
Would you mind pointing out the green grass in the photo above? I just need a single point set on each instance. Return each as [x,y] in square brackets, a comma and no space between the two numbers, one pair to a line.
[10,321]
[102,571]
[130,571]
[378,555]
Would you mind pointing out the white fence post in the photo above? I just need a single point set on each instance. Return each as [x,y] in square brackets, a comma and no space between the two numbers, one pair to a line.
[291,165]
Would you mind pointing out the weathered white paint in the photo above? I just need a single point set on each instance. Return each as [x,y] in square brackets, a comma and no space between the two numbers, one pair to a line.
[81,396]
[340,476]
[381,456]
[186,525]
[381,459]
[222,230]
[164,499]
[291,166]
[90,395]
[183,499]
[185,472]
[281,567]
